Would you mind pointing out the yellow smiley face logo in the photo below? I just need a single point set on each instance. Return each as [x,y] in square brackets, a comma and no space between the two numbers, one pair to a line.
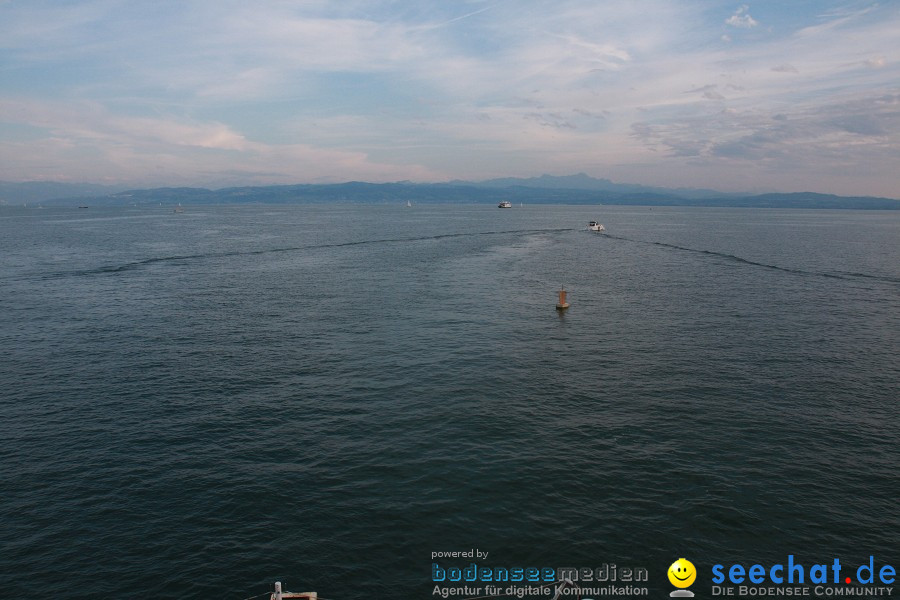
[682,573]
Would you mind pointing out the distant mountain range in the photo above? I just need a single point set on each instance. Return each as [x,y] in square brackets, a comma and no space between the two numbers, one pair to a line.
[40,191]
[546,189]
[582,181]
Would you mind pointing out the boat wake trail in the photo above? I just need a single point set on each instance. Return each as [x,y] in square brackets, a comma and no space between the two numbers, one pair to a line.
[845,275]
[130,266]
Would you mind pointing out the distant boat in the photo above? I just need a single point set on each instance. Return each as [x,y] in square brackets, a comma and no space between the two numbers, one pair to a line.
[505,204]
[179,208]
[408,204]
[595,226]
[82,207]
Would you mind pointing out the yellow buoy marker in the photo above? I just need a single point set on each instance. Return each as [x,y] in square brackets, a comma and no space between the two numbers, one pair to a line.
[562,304]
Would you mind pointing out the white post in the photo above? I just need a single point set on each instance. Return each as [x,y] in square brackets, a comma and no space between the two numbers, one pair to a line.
[277,590]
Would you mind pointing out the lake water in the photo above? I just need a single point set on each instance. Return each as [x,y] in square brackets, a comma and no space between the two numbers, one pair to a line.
[196,405]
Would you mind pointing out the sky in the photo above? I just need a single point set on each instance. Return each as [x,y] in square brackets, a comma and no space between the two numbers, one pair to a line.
[783,95]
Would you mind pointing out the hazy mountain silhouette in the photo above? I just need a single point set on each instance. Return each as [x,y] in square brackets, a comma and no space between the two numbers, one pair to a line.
[546,189]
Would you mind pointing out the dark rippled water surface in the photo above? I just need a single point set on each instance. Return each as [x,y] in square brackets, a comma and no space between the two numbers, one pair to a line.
[196,405]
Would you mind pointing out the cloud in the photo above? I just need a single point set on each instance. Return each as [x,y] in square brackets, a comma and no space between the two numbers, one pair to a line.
[380,89]
[741,18]
[92,122]
[459,18]
[826,139]
[708,91]
[785,69]
[169,148]
[865,125]
[601,115]
[554,120]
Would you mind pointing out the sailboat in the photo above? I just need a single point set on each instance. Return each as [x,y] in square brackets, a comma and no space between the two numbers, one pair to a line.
[408,204]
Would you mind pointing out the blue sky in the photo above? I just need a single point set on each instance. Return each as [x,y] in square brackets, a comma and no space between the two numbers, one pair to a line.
[784,95]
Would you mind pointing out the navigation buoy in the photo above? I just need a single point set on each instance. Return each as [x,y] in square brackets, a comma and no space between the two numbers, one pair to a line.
[562,304]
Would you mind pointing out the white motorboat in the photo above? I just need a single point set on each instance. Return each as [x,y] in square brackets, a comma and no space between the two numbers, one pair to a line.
[505,204]
[595,226]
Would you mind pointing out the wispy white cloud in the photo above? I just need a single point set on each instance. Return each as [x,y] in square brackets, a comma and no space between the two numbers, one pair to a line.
[146,148]
[456,19]
[741,18]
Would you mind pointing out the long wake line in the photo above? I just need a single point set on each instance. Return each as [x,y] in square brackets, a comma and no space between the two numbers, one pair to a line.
[112,269]
[847,276]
